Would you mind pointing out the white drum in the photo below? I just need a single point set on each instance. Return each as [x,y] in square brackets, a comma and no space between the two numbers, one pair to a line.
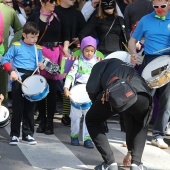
[37,88]
[122,55]
[157,72]
[79,97]
[4,116]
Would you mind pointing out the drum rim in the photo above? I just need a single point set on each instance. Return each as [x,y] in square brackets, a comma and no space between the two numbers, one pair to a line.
[38,92]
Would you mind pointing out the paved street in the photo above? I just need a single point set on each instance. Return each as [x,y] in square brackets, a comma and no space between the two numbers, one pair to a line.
[54,152]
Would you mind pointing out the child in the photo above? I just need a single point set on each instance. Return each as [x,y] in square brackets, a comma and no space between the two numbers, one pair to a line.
[79,74]
[25,62]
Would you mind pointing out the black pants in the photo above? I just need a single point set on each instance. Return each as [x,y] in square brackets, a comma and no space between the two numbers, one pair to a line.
[47,106]
[135,132]
[23,110]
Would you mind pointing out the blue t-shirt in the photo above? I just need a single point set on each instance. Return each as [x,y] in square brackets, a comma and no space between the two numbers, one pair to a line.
[155,31]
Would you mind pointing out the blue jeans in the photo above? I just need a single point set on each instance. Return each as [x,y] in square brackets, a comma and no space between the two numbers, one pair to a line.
[163,95]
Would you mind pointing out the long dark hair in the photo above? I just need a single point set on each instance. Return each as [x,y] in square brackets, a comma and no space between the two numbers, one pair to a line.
[15,6]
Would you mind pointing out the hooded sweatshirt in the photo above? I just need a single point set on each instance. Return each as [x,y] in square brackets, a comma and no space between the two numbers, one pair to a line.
[81,69]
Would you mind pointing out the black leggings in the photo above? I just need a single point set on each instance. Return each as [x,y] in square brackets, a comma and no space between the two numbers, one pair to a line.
[135,133]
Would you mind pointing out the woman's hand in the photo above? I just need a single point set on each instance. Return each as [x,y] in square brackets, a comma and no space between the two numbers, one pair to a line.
[127,160]
[41,66]
[134,58]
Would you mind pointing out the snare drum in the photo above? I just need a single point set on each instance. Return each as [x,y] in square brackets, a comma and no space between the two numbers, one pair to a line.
[4,116]
[79,97]
[37,88]
[157,72]
[50,66]
[122,55]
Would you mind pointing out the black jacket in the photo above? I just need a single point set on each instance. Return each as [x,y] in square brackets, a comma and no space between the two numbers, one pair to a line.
[103,71]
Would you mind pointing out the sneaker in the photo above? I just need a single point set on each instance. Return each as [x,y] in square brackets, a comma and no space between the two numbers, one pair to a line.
[136,167]
[75,141]
[88,144]
[14,140]
[29,140]
[159,142]
[104,166]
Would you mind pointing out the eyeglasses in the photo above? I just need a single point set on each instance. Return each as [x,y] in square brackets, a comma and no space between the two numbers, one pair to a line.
[161,6]
[10,2]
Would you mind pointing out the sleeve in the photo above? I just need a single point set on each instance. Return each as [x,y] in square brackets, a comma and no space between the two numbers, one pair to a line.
[81,21]
[94,87]
[87,10]
[127,20]
[138,33]
[7,58]
[17,27]
[71,75]
[90,26]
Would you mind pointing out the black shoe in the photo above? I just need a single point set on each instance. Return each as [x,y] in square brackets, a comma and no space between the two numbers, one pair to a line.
[136,167]
[104,166]
[65,120]
[49,128]
[42,126]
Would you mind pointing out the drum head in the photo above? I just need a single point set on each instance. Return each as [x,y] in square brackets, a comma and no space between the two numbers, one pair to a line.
[79,94]
[154,67]
[35,85]
[122,55]
[4,116]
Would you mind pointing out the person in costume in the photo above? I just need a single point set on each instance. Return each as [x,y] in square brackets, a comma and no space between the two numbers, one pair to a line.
[155,29]
[79,74]
[75,22]
[25,62]
[136,116]
[8,18]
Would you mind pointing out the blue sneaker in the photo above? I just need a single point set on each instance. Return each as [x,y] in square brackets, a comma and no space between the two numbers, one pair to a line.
[88,144]
[75,141]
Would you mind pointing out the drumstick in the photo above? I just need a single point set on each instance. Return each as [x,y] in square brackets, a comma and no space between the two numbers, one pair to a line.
[71,99]
[71,43]
[34,71]
[21,83]
[128,50]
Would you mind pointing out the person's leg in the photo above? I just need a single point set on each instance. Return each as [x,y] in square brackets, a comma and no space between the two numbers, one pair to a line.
[51,105]
[28,119]
[136,132]
[75,116]
[163,114]
[17,107]
[97,114]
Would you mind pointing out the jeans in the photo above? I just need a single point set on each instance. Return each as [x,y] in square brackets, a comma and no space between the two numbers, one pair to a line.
[163,94]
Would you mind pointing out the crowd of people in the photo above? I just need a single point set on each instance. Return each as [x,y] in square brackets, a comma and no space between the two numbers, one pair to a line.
[35,32]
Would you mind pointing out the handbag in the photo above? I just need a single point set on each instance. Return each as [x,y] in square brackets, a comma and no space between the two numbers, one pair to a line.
[120,94]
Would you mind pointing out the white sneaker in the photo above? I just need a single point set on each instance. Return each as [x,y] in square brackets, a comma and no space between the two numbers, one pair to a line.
[29,140]
[14,140]
[159,142]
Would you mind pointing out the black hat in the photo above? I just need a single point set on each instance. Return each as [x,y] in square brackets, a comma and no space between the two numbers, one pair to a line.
[26,3]
[108,4]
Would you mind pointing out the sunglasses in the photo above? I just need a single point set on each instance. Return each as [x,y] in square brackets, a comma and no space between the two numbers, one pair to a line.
[161,6]
[52,1]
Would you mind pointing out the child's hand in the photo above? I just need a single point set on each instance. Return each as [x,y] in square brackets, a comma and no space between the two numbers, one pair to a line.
[13,76]
[1,97]
[41,66]
[67,92]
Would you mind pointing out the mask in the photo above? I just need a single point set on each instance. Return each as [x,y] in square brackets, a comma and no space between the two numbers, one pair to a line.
[108,4]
